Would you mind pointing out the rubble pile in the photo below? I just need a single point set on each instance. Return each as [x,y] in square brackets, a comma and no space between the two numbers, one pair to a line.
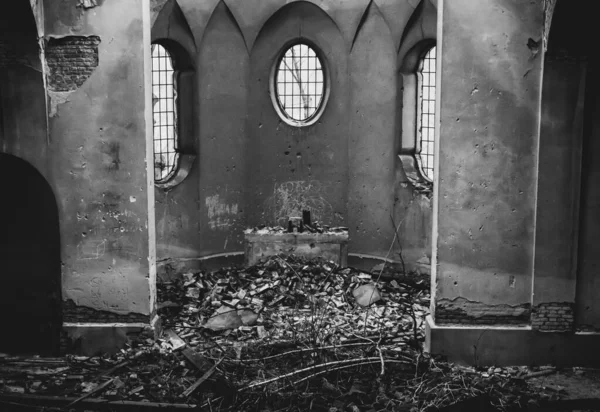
[286,334]
[293,299]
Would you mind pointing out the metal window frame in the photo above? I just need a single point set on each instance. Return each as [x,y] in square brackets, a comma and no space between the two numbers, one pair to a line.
[172,81]
[324,97]
[426,160]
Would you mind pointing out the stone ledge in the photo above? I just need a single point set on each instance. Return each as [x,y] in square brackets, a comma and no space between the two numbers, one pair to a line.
[331,246]
[506,346]
[91,339]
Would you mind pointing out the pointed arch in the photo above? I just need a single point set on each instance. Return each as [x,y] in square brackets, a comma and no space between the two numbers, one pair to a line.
[222,93]
[172,24]
[397,14]
[421,26]
[198,14]
[272,139]
[372,10]
[373,130]
[253,15]
[361,23]
[223,9]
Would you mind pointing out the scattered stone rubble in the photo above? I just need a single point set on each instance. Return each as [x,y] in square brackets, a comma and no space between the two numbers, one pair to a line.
[287,334]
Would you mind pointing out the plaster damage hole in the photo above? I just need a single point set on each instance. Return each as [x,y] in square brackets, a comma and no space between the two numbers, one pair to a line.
[71,61]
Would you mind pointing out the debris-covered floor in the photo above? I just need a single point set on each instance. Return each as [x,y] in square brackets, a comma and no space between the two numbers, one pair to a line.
[288,334]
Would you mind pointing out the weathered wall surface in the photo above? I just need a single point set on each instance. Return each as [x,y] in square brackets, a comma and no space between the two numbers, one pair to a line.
[373,137]
[490,89]
[177,233]
[253,168]
[587,307]
[293,168]
[97,133]
[223,65]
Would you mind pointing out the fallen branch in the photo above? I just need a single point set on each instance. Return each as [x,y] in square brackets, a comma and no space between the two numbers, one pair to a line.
[93,391]
[370,362]
[399,244]
[378,350]
[539,373]
[295,351]
[289,266]
[311,368]
[113,369]
[57,403]
[203,378]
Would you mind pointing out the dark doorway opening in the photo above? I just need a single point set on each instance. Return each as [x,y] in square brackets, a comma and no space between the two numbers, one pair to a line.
[30,268]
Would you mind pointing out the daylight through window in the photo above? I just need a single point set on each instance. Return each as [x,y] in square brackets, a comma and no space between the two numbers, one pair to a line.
[426,76]
[164,113]
[300,83]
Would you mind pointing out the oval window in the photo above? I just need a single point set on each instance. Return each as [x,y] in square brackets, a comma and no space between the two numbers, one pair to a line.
[299,85]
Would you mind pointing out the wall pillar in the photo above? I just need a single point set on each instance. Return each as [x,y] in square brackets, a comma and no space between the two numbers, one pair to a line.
[100,157]
[486,182]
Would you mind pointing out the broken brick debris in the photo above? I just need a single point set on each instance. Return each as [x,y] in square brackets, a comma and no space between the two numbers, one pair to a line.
[288,331]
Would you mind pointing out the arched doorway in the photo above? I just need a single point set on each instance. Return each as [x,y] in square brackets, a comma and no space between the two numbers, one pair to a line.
[30,296]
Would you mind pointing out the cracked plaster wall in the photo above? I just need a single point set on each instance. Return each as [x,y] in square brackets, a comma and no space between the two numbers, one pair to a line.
[253,168]
[490,90]
[97,135]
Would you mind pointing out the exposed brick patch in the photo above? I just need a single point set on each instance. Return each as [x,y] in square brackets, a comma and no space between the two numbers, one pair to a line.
[465,312]
[553,317]
[71,61]
[74,313]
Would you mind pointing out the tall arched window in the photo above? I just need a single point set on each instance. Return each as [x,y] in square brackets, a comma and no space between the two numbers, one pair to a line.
[164,110]
[426,112]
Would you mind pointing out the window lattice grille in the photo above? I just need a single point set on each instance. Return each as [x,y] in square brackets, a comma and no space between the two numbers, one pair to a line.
[427,73]
[164,113]
[300,83]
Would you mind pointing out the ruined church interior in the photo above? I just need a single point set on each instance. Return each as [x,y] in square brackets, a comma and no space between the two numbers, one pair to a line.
[263,205]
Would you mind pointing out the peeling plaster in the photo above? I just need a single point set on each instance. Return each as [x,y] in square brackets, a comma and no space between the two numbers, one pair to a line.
[468,311]
[38,12]
[549,6]
[87,4]
[57,99]
[220,214]
[292,197]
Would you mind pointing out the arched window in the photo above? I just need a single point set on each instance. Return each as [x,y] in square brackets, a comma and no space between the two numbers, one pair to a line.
[299,85]
[165,116]
[417,80]
[426,112]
